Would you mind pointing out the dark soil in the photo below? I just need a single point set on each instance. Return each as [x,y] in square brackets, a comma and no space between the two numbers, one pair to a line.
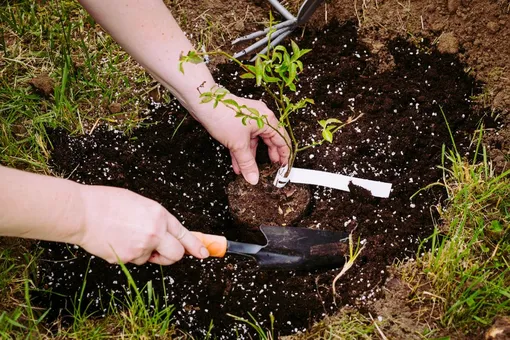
[478,32]
[399,140]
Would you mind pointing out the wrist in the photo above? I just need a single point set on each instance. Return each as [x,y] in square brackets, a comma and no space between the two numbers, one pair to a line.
[77,210]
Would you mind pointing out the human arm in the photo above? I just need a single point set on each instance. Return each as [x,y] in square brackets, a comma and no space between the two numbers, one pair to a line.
[148,32]
[109,222]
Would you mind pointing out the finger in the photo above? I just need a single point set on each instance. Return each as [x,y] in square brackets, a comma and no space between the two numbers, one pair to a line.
[169,248]
[182,235]
[161,260]
[247,164]
[141,259]
[253,146]
[235,166]
[274,156]
[277,153]
[284,153]
[277,142]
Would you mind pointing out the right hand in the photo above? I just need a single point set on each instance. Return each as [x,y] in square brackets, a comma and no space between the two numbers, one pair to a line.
[120,225]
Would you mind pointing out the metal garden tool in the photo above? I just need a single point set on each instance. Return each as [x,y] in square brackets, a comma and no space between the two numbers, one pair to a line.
[287,248]
[282,29]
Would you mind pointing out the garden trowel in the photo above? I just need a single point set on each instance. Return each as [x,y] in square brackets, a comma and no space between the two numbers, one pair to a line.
[288,248]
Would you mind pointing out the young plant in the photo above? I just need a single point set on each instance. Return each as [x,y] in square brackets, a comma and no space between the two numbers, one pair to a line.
[354,252]
[277,72]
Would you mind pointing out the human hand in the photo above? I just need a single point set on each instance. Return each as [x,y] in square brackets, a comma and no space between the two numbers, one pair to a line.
[121,225]
[242,140]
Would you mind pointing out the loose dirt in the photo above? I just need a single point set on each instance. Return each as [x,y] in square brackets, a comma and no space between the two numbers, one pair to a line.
[398,140]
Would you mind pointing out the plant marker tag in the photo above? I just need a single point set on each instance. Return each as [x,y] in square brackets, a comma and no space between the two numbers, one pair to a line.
[330,180]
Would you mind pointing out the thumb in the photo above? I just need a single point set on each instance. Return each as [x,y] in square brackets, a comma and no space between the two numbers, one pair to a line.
[247,164]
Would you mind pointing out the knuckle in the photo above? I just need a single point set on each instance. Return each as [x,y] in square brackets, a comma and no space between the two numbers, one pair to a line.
[246,163]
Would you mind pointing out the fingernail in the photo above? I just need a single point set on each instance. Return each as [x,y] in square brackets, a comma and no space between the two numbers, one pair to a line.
[204,252]
[252,178]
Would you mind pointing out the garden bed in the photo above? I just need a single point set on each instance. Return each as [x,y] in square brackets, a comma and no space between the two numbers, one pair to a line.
[399,140]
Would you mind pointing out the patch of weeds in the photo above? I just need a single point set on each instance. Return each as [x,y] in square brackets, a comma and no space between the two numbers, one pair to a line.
[19,318]
[140,315]
[462,278]
[348,324]
[254,324]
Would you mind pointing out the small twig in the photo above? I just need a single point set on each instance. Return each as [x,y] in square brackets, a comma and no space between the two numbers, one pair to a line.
[377,327]
[94,126]
[72,172]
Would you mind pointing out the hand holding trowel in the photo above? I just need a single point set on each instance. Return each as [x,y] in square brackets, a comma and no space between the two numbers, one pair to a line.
[287,248]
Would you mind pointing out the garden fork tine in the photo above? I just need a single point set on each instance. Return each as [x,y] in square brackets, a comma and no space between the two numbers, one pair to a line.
[282,29]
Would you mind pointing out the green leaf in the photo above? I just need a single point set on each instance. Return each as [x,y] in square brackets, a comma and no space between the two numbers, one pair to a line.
[277,55]
[221,91]
[280,48]
[286,60]
[194,58]
[231,102]
[244,120]
[325,123]
[303,102]
[295,48]
[269,79]
[299,65]
[250,68]
[304,51]
[327,135]
[181,67]
[281,70]
[496,227]
[259,71]
[206,100]
[253,111]
[247,76]
[260,123]
[239,114]
[292,73]
[292,87]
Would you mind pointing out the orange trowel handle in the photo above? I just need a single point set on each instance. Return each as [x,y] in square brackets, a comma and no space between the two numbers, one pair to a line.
[215,244]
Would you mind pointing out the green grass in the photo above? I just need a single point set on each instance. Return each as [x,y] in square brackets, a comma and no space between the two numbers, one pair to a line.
[463,280]
[89,71]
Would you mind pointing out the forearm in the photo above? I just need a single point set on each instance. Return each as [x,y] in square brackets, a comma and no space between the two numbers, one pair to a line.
[148,32]
[39,207]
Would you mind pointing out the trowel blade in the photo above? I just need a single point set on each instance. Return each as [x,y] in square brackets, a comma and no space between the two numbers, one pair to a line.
[293,248]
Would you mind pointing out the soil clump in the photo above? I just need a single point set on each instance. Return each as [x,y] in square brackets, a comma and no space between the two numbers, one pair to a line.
[264,204]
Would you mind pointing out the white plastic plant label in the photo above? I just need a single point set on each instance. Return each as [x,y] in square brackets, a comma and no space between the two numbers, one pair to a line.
[330,180]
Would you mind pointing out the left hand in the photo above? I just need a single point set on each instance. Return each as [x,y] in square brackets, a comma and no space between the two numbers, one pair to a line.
[242,140]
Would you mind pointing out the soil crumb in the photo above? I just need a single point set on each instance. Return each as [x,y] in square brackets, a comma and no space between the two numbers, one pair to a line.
[43,84]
